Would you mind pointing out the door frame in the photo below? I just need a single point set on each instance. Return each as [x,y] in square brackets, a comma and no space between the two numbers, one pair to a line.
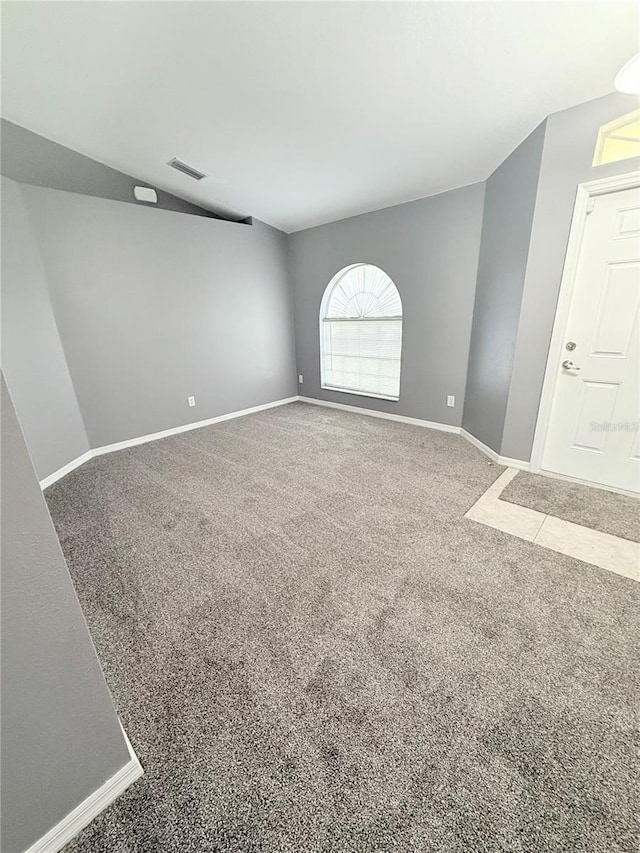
[585,193]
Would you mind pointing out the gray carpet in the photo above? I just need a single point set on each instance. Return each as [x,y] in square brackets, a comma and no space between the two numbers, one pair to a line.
[596,508]
[312,650]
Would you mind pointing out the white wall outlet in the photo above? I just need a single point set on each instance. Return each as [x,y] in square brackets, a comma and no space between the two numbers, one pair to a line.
[451,400]
[191,401]
[300,379]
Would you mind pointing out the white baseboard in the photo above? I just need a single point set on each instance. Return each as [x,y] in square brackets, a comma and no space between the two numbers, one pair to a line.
[154,436]
[83,814]
[495,457]
[373,413]
[66,469]
[520,464]
[388,416]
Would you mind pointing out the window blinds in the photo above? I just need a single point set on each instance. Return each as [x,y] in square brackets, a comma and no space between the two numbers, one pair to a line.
[361,334]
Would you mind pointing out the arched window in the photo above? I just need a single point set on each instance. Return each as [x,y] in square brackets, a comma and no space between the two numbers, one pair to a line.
[361,333]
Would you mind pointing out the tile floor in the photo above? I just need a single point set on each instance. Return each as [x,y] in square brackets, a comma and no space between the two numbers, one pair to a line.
[591,546]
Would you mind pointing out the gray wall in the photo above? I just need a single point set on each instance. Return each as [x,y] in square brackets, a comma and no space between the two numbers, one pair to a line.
[32,159]
[430,249]
[569,145]
[32,355]
[154,306]
[61,738]
[509,203]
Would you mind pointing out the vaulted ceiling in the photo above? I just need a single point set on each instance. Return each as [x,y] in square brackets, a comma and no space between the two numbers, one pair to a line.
[304,113]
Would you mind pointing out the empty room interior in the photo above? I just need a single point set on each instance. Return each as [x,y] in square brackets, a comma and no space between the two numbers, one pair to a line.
[320,427]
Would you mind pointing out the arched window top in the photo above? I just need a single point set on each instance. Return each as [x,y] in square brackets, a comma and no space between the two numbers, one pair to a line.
[618,140]
[362,291]
[361,333]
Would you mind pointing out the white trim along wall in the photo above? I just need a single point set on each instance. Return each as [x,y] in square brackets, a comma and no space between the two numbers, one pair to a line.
[507,461]
[143,439]
[495,457]
[62,833]
[154,436]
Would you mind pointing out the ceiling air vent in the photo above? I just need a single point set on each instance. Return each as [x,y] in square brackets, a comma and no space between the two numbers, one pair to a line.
[186,169]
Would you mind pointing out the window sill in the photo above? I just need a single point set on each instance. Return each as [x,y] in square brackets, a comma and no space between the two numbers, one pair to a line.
[359,393]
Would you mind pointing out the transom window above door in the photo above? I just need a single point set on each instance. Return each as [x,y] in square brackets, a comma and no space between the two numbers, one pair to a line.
[361,333]
[618,140]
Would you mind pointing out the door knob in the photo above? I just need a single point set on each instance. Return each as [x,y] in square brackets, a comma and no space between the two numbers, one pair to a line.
[569,365]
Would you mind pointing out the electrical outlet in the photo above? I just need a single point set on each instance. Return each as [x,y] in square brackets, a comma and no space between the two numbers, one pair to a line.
[191,401]
[451,400]
[300,379]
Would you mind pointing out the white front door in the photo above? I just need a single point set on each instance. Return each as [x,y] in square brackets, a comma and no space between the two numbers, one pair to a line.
[593,427]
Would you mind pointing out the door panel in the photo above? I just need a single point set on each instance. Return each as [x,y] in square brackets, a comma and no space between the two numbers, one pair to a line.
[617,315]
[627,223]
[593,427]
[598,400]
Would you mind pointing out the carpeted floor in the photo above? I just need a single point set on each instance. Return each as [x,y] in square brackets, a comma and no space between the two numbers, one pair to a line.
[312,650]
[608,512]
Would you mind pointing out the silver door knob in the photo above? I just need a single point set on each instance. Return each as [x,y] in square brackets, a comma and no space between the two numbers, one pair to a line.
[569,365]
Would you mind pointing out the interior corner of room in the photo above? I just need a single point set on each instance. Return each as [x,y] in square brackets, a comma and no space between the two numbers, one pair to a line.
[117,355]
[129,317]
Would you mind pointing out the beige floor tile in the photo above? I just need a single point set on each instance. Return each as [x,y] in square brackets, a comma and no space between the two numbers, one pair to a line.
[600,549]
[496,489]
[591,546]
[510,518]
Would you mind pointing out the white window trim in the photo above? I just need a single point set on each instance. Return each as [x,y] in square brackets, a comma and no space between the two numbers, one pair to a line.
[608,131]
[358,393]
[321,317]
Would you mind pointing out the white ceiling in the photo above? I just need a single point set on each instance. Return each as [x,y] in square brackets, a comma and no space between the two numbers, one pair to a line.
[304,113]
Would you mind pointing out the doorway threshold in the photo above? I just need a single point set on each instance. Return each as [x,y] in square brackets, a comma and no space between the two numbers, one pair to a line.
[604,550]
